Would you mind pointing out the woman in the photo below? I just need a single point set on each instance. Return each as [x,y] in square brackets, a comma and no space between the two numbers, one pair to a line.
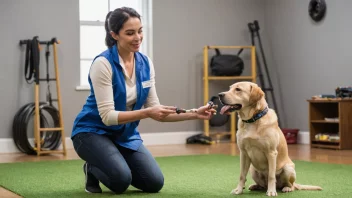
[105,134]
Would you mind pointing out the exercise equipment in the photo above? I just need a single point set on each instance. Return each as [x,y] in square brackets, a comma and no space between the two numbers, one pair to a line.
[207,77]
[254,30]
[47,137]
[317,9]
[49,140]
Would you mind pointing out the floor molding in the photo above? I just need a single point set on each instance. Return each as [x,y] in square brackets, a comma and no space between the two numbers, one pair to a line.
[7,145]
[162,138]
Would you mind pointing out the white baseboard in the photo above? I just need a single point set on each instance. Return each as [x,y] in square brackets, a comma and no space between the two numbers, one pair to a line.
[162,138]
[167,137]
[8,146]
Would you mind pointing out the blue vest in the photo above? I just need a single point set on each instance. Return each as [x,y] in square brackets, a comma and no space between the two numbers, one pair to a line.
[89,120]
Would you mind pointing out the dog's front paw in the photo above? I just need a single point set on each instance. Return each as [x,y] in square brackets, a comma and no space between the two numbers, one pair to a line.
[237,191]
[287,189]
[271,193]
[254,187]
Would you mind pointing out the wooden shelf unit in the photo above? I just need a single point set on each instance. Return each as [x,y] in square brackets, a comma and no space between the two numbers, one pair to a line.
[319,109]
[207,78]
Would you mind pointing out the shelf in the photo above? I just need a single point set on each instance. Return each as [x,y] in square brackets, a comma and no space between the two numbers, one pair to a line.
[329,100]
[324,100]
[229,47]
[325,146]
[229,78]
[339,113]
[324,121]
[327,141]
[208,77]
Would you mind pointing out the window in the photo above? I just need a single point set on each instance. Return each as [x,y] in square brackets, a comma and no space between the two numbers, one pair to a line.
[92,15]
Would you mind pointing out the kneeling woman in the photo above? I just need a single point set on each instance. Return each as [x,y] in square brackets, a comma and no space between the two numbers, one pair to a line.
[105,134]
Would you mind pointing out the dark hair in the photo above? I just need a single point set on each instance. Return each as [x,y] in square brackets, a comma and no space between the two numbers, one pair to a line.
[115,20]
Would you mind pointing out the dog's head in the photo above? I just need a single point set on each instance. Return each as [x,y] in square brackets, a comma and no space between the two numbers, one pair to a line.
[239,96]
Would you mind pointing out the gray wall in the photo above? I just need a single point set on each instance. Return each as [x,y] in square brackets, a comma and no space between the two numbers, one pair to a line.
[310,58]
[20,19]
[181,29]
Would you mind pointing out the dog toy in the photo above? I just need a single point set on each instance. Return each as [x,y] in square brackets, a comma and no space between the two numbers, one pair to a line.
[181,110]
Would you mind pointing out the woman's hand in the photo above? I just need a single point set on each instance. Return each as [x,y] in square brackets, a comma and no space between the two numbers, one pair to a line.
[159,112]
[204,113]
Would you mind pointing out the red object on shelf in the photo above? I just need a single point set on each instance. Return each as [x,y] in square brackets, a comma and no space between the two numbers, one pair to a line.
[291,135]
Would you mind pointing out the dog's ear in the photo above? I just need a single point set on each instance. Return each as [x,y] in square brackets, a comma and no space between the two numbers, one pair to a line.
[256,93]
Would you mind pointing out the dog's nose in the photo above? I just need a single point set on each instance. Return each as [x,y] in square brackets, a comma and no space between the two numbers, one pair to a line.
[221,95]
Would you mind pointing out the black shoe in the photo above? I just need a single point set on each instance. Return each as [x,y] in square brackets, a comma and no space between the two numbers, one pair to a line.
[92,184]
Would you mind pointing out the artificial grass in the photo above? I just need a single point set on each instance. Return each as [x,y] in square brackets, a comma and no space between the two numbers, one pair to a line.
[185,176]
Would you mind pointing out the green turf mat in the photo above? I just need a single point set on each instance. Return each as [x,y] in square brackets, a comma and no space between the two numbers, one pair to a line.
[185,176]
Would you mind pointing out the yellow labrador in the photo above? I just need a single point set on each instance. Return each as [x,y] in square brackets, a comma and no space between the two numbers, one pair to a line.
[262,145]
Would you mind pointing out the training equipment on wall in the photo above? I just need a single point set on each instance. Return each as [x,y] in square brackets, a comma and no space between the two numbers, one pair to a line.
[317,9]
[207,78]
[254,30]
[48,122]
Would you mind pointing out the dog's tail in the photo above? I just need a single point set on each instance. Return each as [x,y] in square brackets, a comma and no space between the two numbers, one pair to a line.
[306,187]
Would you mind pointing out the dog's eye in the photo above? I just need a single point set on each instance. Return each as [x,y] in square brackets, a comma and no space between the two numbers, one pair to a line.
[238,89]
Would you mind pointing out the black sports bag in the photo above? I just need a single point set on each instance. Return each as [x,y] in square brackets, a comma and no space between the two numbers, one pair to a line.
[226,64]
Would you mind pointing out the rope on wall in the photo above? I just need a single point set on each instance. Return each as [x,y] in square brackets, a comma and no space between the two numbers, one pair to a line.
[21,124]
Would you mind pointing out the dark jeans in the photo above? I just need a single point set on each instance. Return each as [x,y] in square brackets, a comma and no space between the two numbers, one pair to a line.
[118,167]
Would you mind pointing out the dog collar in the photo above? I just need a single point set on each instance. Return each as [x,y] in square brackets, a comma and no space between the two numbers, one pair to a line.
[257,116]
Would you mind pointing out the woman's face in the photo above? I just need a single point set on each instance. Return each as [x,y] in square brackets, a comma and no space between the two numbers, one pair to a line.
[130,36]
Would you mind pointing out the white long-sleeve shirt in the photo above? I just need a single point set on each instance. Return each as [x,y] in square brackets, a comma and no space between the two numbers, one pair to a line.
[101,77]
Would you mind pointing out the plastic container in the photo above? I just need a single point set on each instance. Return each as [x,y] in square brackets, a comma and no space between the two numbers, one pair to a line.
[291,135]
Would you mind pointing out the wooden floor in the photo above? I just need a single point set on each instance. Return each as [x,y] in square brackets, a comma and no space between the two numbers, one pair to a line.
[296,152]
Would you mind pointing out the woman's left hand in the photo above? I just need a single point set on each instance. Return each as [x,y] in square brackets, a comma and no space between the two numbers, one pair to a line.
[204,113]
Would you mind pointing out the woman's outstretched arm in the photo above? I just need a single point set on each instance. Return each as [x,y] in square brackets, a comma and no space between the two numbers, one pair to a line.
[101,77]
[153,100]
